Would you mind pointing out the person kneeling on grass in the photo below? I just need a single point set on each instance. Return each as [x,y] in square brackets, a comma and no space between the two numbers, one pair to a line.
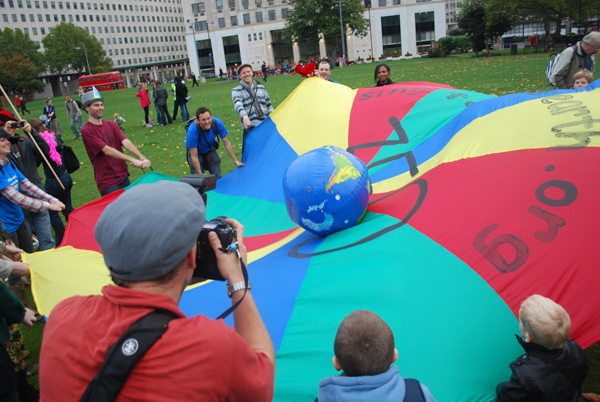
[202,143]
[553,367]
[364,350]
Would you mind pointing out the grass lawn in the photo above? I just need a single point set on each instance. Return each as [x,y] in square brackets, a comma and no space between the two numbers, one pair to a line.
[165,146]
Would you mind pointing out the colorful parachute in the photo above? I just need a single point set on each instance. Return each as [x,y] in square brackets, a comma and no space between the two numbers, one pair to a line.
[478,203]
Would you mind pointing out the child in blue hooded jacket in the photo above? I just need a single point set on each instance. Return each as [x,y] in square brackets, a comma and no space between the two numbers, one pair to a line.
[364,350]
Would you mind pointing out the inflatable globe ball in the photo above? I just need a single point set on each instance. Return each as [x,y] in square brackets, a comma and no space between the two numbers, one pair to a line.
[326,190]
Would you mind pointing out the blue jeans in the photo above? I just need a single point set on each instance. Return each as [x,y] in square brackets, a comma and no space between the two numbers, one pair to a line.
[39,224]
[55,190]
[213,160]
[185,113]
[119,186]
[74,124]
[158,116]
[163,112]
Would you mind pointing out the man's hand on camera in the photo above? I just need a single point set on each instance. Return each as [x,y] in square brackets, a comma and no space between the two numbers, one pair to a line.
[229,263]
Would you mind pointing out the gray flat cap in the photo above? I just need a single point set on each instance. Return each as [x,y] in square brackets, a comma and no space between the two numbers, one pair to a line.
[149,229]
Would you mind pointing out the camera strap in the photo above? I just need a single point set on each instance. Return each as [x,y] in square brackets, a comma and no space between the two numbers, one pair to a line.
[124,354]
[234,247]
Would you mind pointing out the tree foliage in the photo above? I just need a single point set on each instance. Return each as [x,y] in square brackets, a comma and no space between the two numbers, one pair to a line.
[547,11]
[19,75]
[64,50]
[481,26]
[307,19]
[16,42]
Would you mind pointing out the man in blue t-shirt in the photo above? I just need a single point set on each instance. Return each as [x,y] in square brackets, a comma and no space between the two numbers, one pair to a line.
[202,143]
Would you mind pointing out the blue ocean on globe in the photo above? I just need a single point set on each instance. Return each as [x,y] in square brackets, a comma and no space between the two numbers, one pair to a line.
[326,190]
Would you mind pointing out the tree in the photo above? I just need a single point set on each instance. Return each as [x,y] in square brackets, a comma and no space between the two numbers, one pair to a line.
[16,42]
[19,75]
[309,18]
[64,50]
[481,26]
[548,11]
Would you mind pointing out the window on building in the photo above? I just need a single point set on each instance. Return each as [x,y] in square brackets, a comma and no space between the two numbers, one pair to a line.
[28,2]
[94,30]
[198,8]
[26,31]
[60,5]
[284,13]
[233,20]
[390,35]
[221,22]
[110,52]
[425,30]
[260,35]
[272,15]
[382,3]
[68,5]
[70,18]
[102,41]
[40,18]
[231,3]
[219,4]
[45,4]
[31,18]
[43,31]
[84,17]
[77,17]
[20,3]
[63,18]
[34,30]
[249,37]
[246,19]
[37,4]
[395,2]
[245,3]
[259,17]
[48,17]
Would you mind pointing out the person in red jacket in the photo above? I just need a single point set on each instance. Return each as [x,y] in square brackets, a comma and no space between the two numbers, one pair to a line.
[144,102]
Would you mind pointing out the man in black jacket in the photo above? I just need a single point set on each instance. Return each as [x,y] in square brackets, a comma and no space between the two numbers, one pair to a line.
[181,99]
[25,156]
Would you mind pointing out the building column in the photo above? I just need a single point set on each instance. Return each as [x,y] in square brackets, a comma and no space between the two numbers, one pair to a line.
[296,50]
[185,70]
[322,47]
[270,54]
[137,75]
[350,48]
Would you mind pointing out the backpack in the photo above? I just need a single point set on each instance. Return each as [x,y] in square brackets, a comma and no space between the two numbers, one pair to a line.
[552,63]
[79,104]
[213,125]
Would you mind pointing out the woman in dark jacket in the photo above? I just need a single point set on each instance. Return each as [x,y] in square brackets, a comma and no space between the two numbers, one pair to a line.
[52,186]
[382,75]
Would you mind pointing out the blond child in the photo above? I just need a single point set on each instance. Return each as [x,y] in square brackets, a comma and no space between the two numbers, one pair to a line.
[553,367]
[119,120]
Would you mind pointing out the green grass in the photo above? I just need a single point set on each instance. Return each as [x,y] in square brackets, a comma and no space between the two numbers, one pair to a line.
[165,146]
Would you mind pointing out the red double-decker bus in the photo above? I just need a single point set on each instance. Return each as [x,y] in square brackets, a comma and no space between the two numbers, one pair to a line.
[103,81]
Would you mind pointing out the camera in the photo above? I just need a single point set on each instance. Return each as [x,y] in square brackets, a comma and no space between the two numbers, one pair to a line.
[206,260]
[201,182]
[17,124]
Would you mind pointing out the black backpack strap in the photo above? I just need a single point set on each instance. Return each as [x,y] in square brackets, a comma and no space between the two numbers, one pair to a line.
[213,124]
[124,355]
[414,392]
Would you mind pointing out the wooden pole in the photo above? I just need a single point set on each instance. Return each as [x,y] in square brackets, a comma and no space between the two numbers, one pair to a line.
[30,136]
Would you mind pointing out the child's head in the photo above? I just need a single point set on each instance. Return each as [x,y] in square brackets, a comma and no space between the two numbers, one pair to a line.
[544,322]
[116,115]
[582,78]
[364,345]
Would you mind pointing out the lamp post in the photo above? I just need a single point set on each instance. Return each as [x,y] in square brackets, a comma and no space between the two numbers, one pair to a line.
[86,58]
[343,63]
[370,29]
[193,28]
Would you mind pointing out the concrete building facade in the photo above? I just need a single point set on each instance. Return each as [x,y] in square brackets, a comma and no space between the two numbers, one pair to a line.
[230,32]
